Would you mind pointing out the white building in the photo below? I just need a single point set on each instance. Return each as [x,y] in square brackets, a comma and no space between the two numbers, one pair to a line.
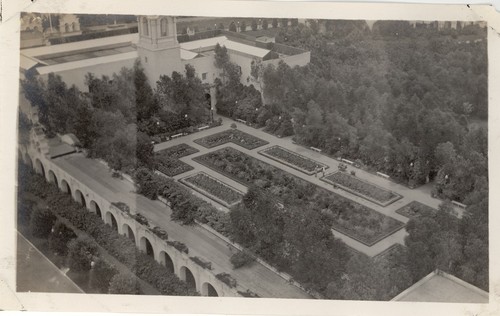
[159,51]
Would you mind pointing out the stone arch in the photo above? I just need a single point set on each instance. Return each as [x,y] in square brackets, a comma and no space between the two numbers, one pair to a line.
[79,198]
[187,276]
[207,289]
[111,220]
[127,231]
[65,187]
[167,261]
[39,167]
[53,178]
[94,208]
[146,246]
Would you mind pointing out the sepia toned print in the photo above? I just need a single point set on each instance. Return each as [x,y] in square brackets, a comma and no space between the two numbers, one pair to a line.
[254,157]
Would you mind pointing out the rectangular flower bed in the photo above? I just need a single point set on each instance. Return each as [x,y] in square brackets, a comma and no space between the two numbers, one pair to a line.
[292,159]
[415,209]
[362,188]
[167,160]
[353,219]
[171,166]
[178,151]
[231,135]
[213,188]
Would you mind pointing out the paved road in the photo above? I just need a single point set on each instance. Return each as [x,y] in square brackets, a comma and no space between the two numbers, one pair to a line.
[36,273]
[421,194]
[200,242]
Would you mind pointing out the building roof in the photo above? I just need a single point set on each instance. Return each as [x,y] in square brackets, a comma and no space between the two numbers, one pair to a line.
[188,55]
[27,63]
[81,45]
[86,63]
[439,286]
[208,43]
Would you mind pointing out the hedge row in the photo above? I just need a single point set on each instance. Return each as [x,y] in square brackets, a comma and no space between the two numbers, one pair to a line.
[123,249]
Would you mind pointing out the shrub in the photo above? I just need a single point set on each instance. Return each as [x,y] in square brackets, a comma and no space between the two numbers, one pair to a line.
[124,284]
[227,278]
[233,125]
[60,237]
[202,263]
[122,206]
[101,275]
[160,233]
[179,246]
[248,293]
[41,223]
[81,252]
[241,259]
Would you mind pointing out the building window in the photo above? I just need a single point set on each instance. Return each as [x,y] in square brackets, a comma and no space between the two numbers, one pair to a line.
[204,76]
[146,60]
[145,27]
[163,27]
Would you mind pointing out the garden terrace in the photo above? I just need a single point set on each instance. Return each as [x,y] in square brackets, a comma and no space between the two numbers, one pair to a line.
[361,188]
[292,159]
[415,209]
[234,136]
[353,219]
[213,188]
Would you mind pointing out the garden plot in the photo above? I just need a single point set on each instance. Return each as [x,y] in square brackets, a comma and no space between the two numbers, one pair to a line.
[361,188]
[415,209]
[167,160]
[292,159]
[213,188]
[348,217]
[234,136]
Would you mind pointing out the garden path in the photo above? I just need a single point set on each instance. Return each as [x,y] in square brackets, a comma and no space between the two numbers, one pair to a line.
[421,194]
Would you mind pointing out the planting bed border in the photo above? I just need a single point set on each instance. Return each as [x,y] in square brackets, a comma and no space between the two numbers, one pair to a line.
[289,164]
[208,194]
[384,204]
[341,230]
[401,212]
[201,143]
[188,168]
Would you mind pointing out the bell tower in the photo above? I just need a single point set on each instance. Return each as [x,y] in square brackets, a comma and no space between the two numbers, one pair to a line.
[158,48]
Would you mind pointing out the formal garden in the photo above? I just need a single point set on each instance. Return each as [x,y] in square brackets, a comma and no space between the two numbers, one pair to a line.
[353,219]
[292,159]
[416,209]
[213,188]
[361,188]
[234,136]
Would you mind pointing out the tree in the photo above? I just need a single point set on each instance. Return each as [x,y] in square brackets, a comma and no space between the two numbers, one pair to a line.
[254,25]
[144,151]
[81,252]
[243,26]
[123,283]
[60,237]
[101,274]
[265,24]
[232,27]
[41,223]
[146,104]
[275,23]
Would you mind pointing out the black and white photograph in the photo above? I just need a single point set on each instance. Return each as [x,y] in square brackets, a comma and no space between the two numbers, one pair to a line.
[285,157]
